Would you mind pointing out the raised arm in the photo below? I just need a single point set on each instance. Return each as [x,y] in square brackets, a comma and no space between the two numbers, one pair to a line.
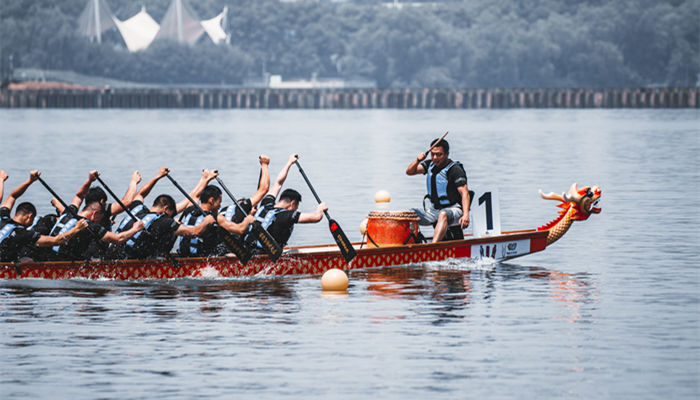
[3,178]
[207,176]
[316,216]
[148,186]
[282,176]
[19,191]
[82,192]
[263,182]
[129,195]
[415,167]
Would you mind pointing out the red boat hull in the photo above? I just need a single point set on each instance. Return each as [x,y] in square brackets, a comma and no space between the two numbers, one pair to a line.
[308,260]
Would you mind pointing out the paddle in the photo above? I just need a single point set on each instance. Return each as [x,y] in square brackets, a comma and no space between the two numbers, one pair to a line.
[269,244]
[238,247]
[70,210]
[165,252]
[344,244]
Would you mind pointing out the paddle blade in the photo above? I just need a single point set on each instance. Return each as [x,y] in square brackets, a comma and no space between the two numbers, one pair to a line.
[269,244]
[344,243]
[237,246]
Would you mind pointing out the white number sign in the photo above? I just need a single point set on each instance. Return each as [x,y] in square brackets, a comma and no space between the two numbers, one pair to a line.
[485,213]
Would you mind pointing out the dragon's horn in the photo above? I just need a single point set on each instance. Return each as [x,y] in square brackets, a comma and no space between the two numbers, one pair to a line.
[551,196]
[572,194]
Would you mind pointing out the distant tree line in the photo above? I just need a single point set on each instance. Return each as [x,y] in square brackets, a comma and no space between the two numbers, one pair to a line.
[471,43]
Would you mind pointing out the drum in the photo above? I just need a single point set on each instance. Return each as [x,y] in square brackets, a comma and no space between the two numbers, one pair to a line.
[391,228]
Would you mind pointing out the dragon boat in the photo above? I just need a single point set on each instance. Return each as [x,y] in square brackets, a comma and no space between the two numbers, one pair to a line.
[576,205]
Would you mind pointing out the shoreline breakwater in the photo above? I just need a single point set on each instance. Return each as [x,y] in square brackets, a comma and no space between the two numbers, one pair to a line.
[348,98]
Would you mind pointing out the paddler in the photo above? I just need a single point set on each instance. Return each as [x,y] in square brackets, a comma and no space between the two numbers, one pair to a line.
[109,211]
[78,247]
[158,220]
[278,216]
[448,193]
[233,213]
[15,236]
[208,242]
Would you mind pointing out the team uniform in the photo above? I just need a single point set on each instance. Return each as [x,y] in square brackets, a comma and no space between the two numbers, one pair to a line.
[156,239]
[442,184]
[205,245]
[13,237]
[78,247]
[279,222]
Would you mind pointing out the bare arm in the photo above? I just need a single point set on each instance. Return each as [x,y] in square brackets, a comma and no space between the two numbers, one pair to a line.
[148,186]
[192,231]
[308,218]
[57,205]
[115,208]
[111,237]
[48,241]
[207,176]
[82,192]
[464,192]
[282,176]
[233,227]
[264,182]
[3,178]
[19,191]
[415,167]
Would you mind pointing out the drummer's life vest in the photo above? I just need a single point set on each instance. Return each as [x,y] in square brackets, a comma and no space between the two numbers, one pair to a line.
[437,184]
[139,211]
[147,220]
[64,223]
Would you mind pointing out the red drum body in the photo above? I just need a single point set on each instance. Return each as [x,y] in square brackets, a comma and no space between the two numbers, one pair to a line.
[391,228]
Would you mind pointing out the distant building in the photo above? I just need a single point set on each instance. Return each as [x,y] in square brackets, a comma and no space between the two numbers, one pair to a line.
[180,23]
[276,82]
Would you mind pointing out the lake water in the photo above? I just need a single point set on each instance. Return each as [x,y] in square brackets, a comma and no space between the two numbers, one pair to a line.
[612,310]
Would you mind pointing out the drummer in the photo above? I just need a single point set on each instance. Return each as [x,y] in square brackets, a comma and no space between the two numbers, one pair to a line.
[446,183]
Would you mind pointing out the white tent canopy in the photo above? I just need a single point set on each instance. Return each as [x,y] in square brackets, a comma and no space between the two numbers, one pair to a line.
[180,23]
[138,31]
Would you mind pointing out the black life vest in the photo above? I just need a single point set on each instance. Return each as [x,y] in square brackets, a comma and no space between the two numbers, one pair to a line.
[64,223]
[139,211]
[147,220]
[267,216]
[193,246]
[7,226]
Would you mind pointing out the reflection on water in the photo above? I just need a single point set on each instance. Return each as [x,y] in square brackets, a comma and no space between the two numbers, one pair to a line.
[609,311]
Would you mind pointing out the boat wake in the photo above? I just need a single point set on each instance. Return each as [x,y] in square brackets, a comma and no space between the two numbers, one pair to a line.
[464,264]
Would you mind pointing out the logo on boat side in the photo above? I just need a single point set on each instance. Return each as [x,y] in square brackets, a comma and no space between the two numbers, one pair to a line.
[512,246]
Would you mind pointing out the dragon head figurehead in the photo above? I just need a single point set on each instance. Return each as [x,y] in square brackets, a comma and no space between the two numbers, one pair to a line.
[576,205]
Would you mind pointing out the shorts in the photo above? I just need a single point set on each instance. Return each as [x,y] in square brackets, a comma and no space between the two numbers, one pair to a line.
[430,215]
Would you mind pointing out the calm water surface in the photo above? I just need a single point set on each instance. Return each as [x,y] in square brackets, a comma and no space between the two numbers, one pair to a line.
[610,311]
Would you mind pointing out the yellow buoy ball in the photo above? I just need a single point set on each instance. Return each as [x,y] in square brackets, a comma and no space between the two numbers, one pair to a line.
[334,280]
[363,227]
[382,196]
